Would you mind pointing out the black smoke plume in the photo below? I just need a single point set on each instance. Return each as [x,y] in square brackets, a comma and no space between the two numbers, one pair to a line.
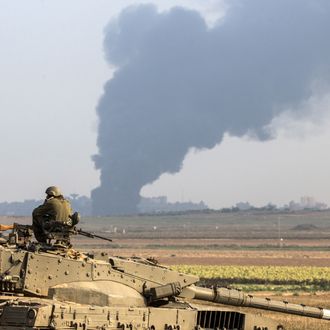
[180,84]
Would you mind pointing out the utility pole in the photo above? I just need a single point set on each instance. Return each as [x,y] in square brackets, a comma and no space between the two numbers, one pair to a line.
[280,239]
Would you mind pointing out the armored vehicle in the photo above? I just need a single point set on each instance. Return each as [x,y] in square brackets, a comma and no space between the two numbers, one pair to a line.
[56,287]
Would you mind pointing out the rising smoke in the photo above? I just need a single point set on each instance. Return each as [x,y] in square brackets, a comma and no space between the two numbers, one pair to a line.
[180,84]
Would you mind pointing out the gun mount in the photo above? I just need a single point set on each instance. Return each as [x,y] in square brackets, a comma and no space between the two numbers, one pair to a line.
[57,232]
[67,289]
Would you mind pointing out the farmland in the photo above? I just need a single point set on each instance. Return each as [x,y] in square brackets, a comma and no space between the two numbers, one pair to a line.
[262,278]
[224,239]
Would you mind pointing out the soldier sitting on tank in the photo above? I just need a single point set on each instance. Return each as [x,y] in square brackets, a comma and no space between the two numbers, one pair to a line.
[54,212]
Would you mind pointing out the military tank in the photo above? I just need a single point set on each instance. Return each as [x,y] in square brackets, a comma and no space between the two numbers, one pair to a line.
[56,287]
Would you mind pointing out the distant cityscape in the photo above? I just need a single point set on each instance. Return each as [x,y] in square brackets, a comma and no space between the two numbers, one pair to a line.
[159,205]
[305,203]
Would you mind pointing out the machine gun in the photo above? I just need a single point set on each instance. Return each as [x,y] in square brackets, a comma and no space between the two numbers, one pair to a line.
[61,233]
[21,235]
[90,235]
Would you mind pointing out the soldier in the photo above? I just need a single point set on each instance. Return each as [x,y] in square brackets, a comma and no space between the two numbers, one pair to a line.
[55,209]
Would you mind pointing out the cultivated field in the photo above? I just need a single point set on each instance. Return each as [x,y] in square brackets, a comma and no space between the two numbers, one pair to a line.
[286,254]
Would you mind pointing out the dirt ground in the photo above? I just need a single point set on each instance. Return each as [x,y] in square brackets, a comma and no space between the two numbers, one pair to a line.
[170,254]
[227,258]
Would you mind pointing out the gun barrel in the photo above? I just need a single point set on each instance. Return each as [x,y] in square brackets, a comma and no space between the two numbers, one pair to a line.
[237,298]
[104,238]
[5,227]
[91,235]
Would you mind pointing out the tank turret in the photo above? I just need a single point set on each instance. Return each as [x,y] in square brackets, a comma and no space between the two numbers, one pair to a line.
[53,288]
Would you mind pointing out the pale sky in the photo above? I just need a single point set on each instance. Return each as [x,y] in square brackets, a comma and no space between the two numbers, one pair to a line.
[52,75]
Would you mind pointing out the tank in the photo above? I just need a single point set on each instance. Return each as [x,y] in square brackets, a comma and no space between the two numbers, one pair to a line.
[56,287]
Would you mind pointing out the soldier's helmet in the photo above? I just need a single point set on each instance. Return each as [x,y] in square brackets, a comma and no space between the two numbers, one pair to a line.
[53,191]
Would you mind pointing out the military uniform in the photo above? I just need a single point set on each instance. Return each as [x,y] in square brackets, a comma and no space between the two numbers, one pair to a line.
[53,209]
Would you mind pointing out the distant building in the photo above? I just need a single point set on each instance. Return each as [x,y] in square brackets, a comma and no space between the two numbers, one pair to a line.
[306,203]
[244,206]
[18,208]
[161,205]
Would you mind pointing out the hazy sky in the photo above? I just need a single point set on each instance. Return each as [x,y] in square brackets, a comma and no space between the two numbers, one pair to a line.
[52,72]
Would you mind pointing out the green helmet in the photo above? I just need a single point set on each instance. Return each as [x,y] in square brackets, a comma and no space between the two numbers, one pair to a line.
[53,191]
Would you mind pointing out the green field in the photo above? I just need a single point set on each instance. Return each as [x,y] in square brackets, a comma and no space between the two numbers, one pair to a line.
[259,278]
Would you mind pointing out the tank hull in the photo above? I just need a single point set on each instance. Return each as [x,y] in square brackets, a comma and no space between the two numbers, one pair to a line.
[19,313]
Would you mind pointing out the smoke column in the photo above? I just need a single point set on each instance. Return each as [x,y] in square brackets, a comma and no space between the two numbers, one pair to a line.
[180,84]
